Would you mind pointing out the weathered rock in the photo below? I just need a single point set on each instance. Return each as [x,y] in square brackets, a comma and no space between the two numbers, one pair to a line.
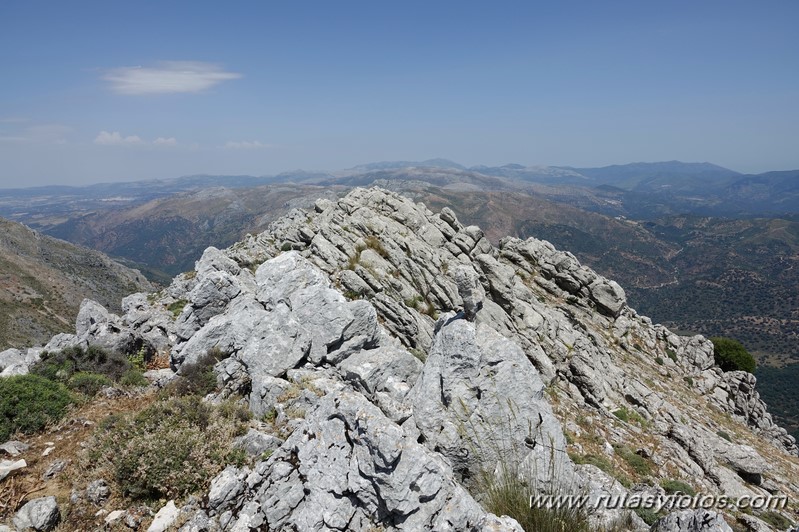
[14,447]
[38,514]
[9,466]
[347,466]
[91,314]
[226,487]
[744,460]
[692,521]
[385,375]
[11,357]
[256,443]
[472,375]
[470,291]
[98,491]
[608,295]
[165,517]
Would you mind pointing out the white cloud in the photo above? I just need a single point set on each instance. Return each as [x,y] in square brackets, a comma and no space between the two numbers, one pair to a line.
[115,139]
[161,141]
[167,77]
[246,145]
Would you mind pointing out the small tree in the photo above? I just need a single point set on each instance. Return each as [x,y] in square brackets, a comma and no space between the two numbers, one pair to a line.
[731,355]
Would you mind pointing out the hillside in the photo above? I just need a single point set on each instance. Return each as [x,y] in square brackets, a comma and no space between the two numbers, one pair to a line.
[165,235]
[393,361]
[43,281]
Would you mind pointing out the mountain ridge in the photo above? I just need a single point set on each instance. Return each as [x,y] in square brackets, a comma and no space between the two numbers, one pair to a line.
[362,303]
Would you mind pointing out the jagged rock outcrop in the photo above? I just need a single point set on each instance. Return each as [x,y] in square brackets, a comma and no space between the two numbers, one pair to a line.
[402,356]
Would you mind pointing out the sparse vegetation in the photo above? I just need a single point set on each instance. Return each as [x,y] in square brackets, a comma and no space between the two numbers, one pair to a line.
[177,307]
[671,354]
[677,486]
[374,243]
[731,355]
[170,449]
[60,366]
[197,378]
[776,520]
[637,463]
[28,403]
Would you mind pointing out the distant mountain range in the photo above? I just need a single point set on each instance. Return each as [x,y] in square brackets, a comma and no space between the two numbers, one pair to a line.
[697,246]
[636,190]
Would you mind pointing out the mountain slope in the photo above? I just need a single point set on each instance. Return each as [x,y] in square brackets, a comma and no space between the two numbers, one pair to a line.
[43,281]
[393,357]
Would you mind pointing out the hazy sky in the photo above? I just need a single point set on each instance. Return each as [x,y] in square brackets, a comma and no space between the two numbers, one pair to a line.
[109,91]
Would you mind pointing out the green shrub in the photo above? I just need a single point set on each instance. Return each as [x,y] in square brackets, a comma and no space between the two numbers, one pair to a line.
[689,381]
[638,463]
[61,365]
[177,307]
[671,354]
[623,414]
[29,402]
[731,355]
[725,435]
[776,520]
[133,377]
[286,246]
[649,516]
[602,463]
[88,383]
[677,486]
[659,361]
[198,378]
[169,450]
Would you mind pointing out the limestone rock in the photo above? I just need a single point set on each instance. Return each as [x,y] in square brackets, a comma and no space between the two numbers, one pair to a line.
[38,514]
[470,290]
[347,465]
[474,374]
[165,517]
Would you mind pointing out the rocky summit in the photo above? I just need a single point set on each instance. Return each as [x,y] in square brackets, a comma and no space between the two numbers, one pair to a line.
[407,366]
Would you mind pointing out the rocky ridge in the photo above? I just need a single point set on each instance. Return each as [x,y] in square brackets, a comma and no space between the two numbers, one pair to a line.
[345,323]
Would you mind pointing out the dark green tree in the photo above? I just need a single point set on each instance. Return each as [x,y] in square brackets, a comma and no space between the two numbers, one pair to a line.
[731,355]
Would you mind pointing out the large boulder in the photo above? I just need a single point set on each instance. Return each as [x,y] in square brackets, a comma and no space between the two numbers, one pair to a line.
[38,514]
[480,403]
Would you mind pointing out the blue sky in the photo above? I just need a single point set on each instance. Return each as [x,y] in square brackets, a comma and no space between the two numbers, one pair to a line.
[108,91]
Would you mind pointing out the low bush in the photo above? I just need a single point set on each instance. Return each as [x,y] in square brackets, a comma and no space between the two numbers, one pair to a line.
[776,520]
[731,355]
[29,402]
[88,383]
[169,450]
[61,365]
[177,307]
[638,463]
[198,378]
[677,486]
[133,377]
